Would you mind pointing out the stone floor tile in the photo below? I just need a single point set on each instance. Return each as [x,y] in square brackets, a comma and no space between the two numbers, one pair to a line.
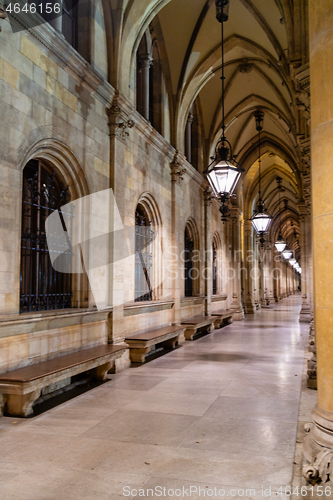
[144,427]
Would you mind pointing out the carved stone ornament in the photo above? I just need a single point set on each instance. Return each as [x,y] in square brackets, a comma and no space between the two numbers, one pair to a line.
[320,469]
[177,170]
[119,123]
[245,67]
[122,128]
[208,197]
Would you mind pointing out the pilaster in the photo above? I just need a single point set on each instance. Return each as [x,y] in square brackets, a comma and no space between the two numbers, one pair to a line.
[236,298]
[177,173]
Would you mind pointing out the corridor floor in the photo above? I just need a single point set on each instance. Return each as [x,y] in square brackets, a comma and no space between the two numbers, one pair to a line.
[220,412]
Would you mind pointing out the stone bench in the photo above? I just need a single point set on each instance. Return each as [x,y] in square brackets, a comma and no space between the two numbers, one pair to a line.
[223,318]
[143,343]
[192,325]
[21,387]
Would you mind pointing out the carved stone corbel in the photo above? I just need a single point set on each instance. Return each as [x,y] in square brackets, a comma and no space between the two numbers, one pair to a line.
[119,122]
[320,469]
[208,197]
[177,169]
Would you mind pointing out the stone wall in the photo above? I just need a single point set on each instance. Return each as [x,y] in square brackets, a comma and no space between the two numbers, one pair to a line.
[58,108]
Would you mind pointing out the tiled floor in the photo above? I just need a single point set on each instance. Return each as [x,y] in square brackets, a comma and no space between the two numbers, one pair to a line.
[219,412]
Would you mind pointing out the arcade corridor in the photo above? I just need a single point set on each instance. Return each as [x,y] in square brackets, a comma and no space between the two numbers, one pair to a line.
[219,412]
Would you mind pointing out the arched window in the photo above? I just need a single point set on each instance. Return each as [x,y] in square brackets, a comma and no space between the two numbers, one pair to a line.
[155,90]
[70,22]
[41,287]
[143,63]
[143,256]
[214,271]
[188,255]
[67,23]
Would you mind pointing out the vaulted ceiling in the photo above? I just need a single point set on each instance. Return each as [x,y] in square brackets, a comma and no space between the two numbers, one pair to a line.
[263,43]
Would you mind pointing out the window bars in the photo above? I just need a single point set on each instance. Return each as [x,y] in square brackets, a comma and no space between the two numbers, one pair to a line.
[188,247]
[41,287]
[144,235]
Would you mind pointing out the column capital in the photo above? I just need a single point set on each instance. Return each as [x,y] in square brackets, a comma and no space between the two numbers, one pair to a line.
[119,120]
[208,197]
[177,168]
[190,118]
[145,60]
[235,213]
[303,210]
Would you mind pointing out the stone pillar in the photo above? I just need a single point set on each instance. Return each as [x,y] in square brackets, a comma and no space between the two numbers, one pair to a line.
[318,445]
[119,123]
[249,257]
[145,63]
[56,23]
[208,263]
[269,266]
[188,140]
[236,298]
[306,285]
[177,236]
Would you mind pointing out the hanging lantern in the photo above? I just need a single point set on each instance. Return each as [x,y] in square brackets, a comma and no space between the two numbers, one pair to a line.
[261,219]
[223,173]
[287,253]
[280,244]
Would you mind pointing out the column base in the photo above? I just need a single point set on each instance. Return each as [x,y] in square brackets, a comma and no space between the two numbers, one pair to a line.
[318,448]
[237,313]
[250,308]
[305,316]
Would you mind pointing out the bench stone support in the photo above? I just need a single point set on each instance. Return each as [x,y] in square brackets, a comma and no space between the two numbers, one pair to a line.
[138,354]
[100,372]
[189,333]
[20,405]
[2,403]
[218,322]
[192,330]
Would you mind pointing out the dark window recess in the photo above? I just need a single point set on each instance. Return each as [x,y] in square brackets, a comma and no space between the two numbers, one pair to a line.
[41,287]
[214,270]
[70,22]
[188,254]
[69,18]
[144,236]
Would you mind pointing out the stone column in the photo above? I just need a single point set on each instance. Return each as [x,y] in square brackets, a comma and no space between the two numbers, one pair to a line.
[318,445]
[249,257]
[145,63]
[188,140]
[56,22]
[118,124]
[177,172]
[236,298]
[305,237]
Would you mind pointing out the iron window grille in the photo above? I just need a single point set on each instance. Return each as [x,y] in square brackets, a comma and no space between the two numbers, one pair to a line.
[188,252]
[214,270]
[144,236]
[42,288]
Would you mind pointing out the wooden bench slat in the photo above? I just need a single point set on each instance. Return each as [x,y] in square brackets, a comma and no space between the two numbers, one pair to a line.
[222,313]
[54,365]
[156,333]
[196,320]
